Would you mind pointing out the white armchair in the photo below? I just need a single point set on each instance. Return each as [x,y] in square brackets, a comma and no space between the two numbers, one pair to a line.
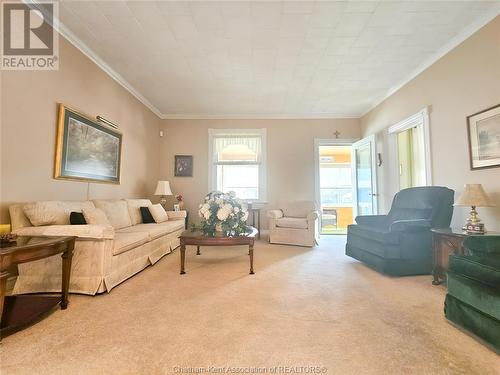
[295,223]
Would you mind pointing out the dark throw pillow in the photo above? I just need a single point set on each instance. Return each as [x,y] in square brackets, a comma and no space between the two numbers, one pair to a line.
[147,218]
[77,218]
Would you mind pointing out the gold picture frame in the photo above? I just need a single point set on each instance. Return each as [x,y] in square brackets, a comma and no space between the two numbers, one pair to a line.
[85,149]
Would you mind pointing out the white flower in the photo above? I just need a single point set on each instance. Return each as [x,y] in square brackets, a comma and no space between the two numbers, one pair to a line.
[236,209]
[245,216]
[223,214]
[244,209]
[207,215]
[204,208]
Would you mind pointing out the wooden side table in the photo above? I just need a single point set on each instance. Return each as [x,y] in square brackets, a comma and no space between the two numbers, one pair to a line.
[255,213]
[19,311]
[446,241]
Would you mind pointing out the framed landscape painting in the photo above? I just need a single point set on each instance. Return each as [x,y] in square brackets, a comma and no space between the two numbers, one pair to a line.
[484,138]
[85,149]
[183,166]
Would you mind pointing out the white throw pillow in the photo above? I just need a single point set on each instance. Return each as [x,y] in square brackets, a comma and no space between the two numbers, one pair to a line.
[95,216]
[158,213]
[116,212]
[46,213]
[134,209]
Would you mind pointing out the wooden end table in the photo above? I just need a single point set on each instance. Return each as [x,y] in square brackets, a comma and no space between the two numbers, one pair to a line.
[446,241]
[199,239]
[19,311]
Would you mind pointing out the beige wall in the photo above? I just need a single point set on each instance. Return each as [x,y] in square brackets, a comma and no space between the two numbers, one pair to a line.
[290,154]
[463,82]
[28,124]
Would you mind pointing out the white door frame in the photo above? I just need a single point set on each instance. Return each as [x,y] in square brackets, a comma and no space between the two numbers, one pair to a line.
[373,148]
[421,121]
[325,142]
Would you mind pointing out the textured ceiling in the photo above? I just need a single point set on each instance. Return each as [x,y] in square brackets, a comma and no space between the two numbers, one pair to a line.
[275,59]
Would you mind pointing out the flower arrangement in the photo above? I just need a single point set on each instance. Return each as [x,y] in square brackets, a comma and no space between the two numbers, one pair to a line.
[179,198]
[223,212]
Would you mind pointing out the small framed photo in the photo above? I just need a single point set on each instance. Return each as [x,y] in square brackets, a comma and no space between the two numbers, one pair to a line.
[484,138]
[183,166]
[177,207]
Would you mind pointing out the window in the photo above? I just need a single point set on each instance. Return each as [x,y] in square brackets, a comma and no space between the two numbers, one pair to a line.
[336,186]
[237,162]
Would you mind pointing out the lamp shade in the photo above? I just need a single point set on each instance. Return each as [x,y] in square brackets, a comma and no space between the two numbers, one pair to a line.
[474,195]
[163,188]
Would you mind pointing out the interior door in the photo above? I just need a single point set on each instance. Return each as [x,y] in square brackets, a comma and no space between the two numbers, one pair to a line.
[364,167]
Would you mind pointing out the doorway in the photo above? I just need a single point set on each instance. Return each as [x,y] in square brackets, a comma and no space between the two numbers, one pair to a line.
[334,188]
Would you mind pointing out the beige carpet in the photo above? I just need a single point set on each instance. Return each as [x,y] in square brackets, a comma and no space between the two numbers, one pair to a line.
[303,307]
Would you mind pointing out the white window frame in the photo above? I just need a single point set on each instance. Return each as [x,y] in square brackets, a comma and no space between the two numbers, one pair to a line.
[212,176]
[422,122]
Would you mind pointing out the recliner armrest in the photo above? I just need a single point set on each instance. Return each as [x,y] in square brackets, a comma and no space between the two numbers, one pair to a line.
[274,214]
[482,245]
[313,215]
[410,225]
[371,220]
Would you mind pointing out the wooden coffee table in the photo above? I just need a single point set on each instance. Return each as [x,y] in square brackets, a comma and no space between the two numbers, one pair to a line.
[19,311]
[199,239]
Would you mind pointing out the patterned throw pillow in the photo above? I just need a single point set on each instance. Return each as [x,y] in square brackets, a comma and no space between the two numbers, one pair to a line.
[158,213]
[45,213]
[95,216]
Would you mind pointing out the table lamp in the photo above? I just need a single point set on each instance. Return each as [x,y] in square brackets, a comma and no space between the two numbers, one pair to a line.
[163,189]
[474,196]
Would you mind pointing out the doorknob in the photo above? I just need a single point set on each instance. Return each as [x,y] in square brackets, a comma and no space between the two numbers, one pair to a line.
[373,194]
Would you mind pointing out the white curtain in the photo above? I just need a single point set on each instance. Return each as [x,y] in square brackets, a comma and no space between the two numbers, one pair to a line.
[254,143]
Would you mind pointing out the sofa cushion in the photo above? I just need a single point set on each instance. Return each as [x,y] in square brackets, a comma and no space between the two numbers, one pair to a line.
[53,212]
[95,216]
[116,212]
[483,269]
[379,234]
[297,208]
[128,241]
[155,230]
[158,213]
[134,209]
[292,222]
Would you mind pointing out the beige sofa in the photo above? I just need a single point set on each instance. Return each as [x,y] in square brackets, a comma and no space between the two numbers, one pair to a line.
[104,256]
[295,223]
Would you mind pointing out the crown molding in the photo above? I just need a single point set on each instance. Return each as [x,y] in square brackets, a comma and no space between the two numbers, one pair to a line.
[453,43]
[263,116]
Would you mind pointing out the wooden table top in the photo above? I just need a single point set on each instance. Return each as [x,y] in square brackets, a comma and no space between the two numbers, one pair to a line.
[28,242]
[459,232]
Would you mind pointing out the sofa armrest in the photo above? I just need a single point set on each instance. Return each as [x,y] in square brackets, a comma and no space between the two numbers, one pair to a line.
[410,225]
[176,215]
[274,214]
[99,232]
[482,245]
[371,220]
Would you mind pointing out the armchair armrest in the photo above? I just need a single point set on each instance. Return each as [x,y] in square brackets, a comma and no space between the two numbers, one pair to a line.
[177,215]
[274,214]
[483,245]
[371,220]
[410,225]
[313,215]
[91,231]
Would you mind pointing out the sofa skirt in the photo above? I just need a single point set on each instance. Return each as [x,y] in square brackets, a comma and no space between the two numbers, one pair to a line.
[481,325]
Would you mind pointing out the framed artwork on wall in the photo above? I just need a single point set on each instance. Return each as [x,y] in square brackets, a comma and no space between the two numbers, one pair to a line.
[85,149]
[484,138]
[183,166]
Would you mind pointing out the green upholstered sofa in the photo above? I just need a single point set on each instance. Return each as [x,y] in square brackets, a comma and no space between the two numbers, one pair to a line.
[400,243]
[473,299]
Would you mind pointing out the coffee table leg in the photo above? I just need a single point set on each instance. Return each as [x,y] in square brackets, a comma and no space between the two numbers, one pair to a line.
[198,250]
[250,252]
[3,290]
[183,257]
[66,273]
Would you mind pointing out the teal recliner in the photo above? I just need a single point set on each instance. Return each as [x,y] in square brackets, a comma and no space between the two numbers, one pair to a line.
[400,243]
[473,299]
